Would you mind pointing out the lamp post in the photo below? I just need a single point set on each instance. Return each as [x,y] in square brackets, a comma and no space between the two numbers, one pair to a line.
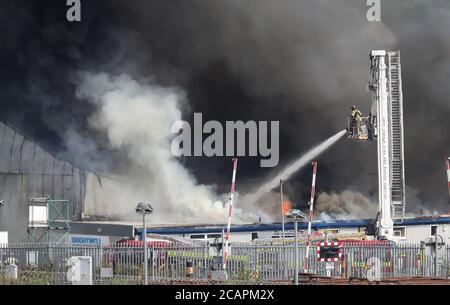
[144,208]
[296,215]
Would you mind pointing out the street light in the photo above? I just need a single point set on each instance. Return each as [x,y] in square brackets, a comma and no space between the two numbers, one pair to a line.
[144,208]
[296,215]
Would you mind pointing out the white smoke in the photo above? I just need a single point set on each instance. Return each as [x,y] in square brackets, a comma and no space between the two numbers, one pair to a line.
[136,117]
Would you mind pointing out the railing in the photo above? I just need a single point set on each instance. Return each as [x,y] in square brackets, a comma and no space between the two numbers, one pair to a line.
[248,263]
[358,130]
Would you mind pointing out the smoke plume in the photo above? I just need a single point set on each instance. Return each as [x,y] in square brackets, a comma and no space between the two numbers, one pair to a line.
[136,118]
[302,63]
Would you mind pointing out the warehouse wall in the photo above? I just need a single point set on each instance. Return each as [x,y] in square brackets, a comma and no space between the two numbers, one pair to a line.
[109,197]
[27,170]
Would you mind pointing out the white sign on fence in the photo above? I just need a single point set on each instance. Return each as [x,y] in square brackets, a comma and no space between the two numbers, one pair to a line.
[374,270]
[329,266]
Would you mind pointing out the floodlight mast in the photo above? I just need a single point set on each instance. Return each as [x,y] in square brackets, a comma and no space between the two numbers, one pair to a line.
[144,208]
[296,215]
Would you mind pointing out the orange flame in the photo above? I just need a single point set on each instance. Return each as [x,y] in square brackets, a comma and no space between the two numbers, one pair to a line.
[287,205]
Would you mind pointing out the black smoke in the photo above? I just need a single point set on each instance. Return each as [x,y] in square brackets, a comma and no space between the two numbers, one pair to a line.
[300,62]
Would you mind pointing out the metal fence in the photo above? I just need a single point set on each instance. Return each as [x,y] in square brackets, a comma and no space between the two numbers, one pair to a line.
[119,264]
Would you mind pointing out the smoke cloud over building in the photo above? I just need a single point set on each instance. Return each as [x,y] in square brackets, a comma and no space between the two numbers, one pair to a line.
[103,93]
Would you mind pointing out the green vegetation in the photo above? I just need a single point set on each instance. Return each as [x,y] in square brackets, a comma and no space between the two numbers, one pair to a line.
[35,278]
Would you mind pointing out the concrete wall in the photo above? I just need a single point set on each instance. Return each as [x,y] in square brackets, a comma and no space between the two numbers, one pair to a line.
[27,170]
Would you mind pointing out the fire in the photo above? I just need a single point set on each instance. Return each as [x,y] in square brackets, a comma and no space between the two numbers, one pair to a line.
[287,205]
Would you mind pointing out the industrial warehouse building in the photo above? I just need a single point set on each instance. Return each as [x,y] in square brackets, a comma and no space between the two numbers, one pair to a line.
[411,230]
[27,170]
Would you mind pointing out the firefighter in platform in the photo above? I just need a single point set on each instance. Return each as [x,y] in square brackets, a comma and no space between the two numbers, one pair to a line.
[355,122]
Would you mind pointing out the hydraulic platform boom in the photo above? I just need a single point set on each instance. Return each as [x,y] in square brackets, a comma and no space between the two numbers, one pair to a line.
[386,124]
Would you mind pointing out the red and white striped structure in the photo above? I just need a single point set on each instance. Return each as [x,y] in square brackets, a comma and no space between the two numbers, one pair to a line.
[311,209]
[329,244]
[447,163]
[230,213]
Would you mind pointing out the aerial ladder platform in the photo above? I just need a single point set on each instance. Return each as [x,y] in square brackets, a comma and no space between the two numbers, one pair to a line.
[385,125]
